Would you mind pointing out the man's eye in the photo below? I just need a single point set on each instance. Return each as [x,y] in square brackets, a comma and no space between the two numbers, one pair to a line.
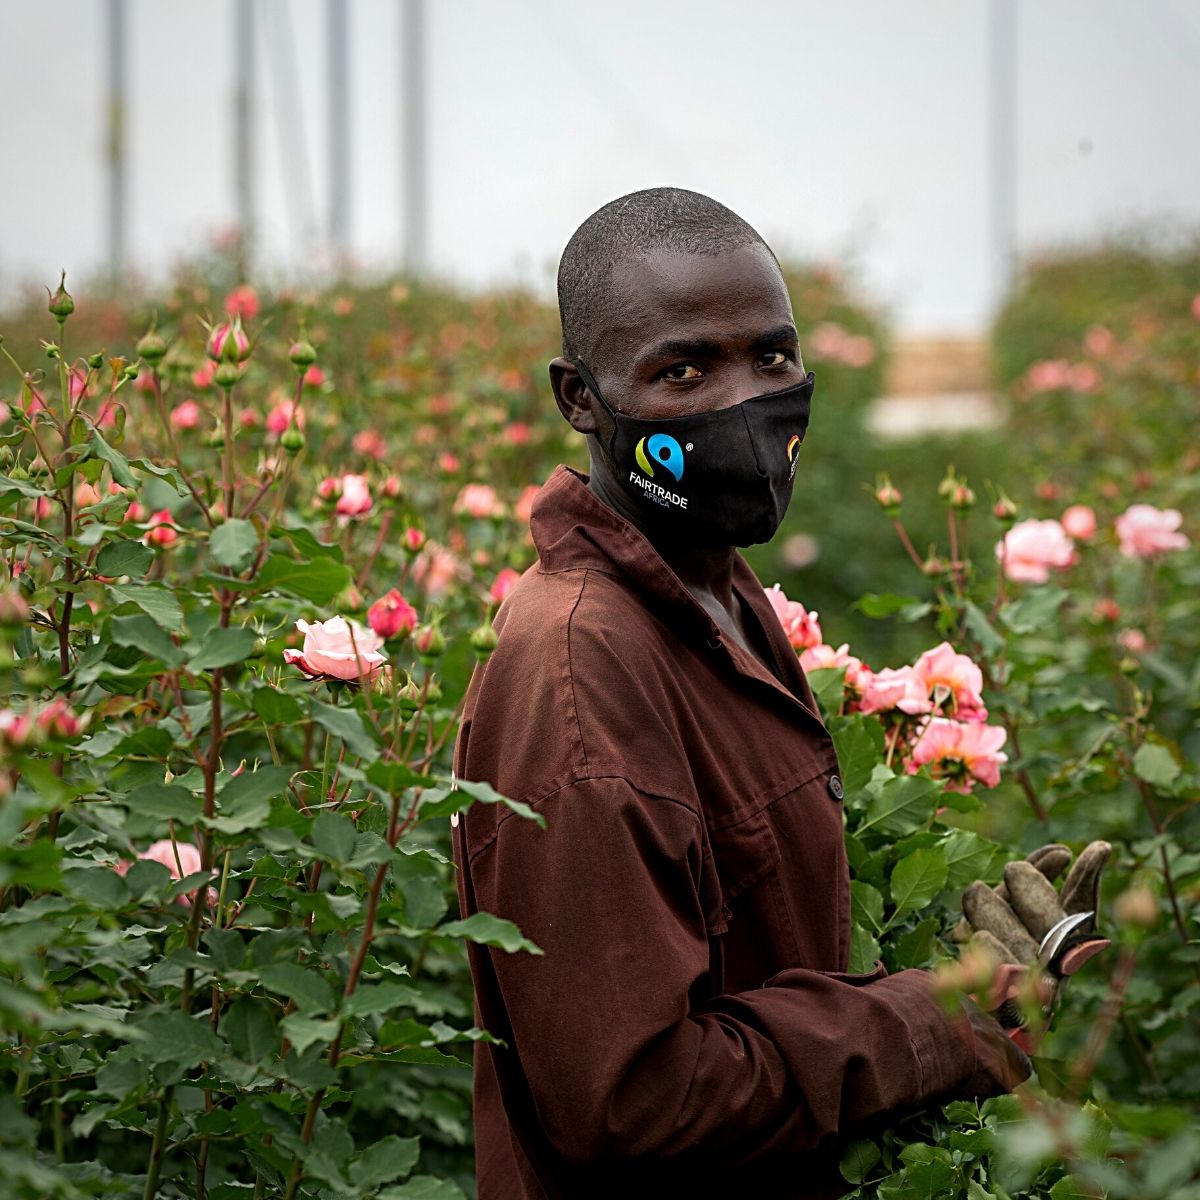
[773,358]
[682,371]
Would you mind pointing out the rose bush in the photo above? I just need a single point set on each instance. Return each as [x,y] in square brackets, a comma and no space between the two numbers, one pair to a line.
[242,592]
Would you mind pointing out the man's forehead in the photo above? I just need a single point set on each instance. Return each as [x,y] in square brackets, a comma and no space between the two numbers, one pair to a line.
[670,295]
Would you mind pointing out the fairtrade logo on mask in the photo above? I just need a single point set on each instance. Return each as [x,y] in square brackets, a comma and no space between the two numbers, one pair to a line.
[793,453]
[664,450]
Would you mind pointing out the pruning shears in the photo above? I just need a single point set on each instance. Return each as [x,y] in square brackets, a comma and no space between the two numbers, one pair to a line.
[1067,945]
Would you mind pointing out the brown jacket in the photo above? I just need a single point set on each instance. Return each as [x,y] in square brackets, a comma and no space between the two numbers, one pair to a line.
[691,1028]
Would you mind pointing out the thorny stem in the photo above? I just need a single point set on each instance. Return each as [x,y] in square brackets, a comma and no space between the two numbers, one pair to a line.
[906,542]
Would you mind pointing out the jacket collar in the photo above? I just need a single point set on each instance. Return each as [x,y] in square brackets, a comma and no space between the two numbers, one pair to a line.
[574,529]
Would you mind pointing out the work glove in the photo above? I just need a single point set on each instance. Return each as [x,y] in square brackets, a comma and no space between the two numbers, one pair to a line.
[1010,921]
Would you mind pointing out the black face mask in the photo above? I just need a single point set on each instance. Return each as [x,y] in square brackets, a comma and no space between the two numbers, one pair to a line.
[717,478]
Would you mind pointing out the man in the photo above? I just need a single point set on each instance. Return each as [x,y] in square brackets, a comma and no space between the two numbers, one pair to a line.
[690,1029]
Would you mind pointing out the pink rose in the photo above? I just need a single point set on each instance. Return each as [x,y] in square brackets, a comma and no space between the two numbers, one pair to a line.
[242,302]
[161,531]
[479,500]
[355,498]
[337,649]
[1133,640]
[892,689]
[202,376]
[523,509]
[952,677]
[229,343]
[186,415]
[1049,375]
[435,570]
[960,753]
[180,858]
[801,626]
[1146,531]
[503,584]
[824,657]
[391,614]
[370,443]
[283,414]
[1079,522]
[1032,549]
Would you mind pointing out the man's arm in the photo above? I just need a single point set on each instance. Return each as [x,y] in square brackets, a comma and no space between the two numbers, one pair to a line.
[621,1066]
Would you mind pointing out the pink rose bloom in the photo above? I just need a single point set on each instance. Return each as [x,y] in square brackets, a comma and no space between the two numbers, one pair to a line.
[242,302]
[161,531]
[337,649]
[1146,531]
[391,614]
[479,500]
[1083,377]
[186,415]
[1079,522]
[824,657]
[1049,375]
[314,377]
[413,539]
[173,856]
[504,583]
[1099,341]
[448,462]
[801,626]
[523,509]
[355,498]
[435,570]
[1133,640]
[86,494]
[896,689]
[517,433]
[202,376]
[960,753]
[280,417]
[954,677]
[369,442]
[1032,549]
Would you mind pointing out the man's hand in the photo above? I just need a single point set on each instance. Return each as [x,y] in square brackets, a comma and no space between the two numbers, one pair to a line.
[1000,1064]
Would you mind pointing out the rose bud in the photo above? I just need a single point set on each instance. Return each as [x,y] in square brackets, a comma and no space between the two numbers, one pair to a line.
[227,374]
[1005,509]
[151,348]
[391,615]
[58,720]
[888,496]
[409,698]
[429,642]
[314,376]
[1106,610]
[303,354]
[228,343]
[161,531]
[13,609]
[392,488]
[433,691]
[61,305]
[483,640]
[413,540]
[961,497]
[292,440]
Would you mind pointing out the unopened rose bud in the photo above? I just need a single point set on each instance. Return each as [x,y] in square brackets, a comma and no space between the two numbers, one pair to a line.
[130,372]
[962,498]
[329,490]
[888,496]
[292,440]
[151,348]
[1005,510]
[95,361]
[52,351]
[433,691]
[1106,610]
[227,374]
[948,484]
[429,642]
[228,343]
[1136,906]
[303,354]
[413,540]
[215,437]
[61,305]
[392,487]
[409,698]
[935,567]
[483,640]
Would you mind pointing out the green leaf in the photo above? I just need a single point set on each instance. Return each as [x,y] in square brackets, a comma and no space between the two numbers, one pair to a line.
[828,685]
[419,877]
[1155,765]
[1069,1188]
[165,800]
[901,805]
[487,930]
[308,989]
[395,778]
[370,998]
[464,792]
[864,950]
[222,647]
[858,1159]
[347,725]
[389,1158]
[302,1031]
[1035,611]
[99,886]
[981,629]
[233,542]
[124,557]
[859,744]
[275,706]
[141,633]
[318,580]
[423,1187]
[886,604]
[916,947]
[157,602]
[917,878]
[249,1028]
[969,857]
[21,487]
[117,462]
[175,1037]
[334,836]
[866,905]
[244,802]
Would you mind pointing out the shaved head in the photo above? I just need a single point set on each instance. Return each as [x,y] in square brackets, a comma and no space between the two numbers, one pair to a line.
[656,219]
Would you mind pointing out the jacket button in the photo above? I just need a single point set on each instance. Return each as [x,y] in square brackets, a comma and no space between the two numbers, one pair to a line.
[835,787]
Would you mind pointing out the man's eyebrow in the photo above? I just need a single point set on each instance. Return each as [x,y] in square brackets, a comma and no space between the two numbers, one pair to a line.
[785,333]
[703,348]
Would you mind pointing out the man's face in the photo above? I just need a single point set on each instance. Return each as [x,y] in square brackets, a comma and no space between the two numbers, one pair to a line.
[696,333]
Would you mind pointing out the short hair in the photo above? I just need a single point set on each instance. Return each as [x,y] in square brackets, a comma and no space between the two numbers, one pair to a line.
[663,218]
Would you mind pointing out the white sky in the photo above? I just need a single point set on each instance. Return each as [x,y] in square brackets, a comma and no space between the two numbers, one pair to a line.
[855,128]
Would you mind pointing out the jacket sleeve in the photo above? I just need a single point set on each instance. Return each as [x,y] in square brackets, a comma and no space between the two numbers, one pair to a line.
[621,1065]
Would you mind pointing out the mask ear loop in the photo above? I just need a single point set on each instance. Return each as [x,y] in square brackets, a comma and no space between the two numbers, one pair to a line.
[593,387]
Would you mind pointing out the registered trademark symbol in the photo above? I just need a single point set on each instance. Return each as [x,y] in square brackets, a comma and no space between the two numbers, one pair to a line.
[688,446]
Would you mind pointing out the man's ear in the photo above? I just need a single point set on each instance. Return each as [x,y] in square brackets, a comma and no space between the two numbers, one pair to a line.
[572,396]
